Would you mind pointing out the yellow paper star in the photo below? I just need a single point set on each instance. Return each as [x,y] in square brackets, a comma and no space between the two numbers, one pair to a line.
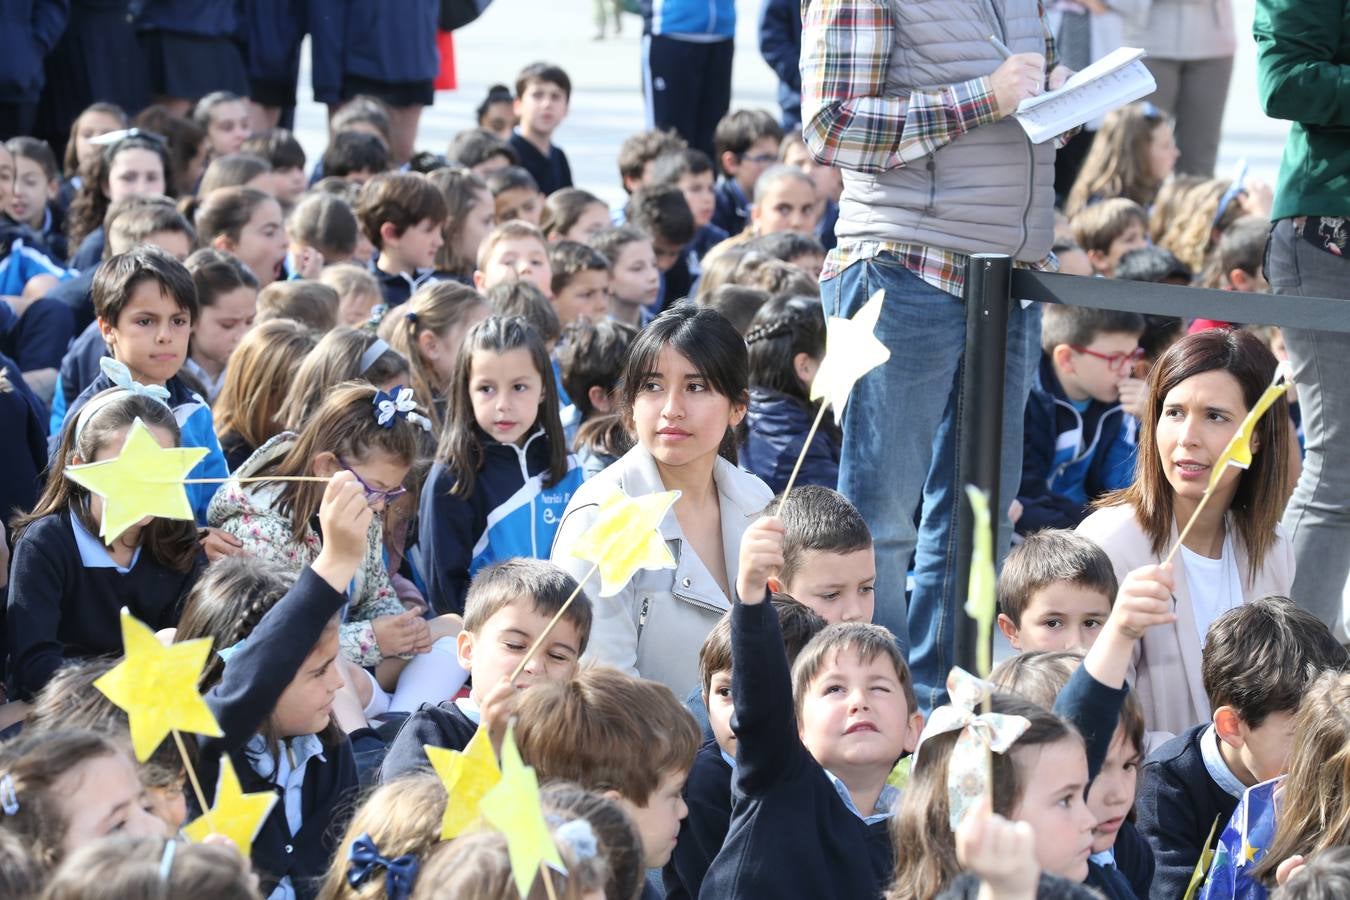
[851,351]
[157,687]
[467,776]
[145,479]
[1238,453]
[512,807]
[235,814]
[626,537]
[980,599]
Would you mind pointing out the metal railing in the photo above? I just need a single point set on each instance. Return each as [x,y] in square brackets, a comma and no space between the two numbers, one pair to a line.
[991,285]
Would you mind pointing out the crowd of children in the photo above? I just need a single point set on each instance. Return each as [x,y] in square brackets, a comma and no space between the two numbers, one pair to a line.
[415,387]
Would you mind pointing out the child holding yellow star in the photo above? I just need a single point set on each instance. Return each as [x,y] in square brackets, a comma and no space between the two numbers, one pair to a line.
[273,697]
[67,586]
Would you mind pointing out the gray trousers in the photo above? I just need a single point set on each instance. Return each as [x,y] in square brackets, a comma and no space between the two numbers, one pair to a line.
[1318,515]
[1193,91]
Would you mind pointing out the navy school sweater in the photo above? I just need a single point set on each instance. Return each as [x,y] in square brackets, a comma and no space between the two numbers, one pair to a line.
[707,794]
[551,173]
[791,834]
[252,683]
[438,724]
[60,610]
[1177,804]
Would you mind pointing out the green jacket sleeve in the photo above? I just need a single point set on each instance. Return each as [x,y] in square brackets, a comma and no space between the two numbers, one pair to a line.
[1302,59]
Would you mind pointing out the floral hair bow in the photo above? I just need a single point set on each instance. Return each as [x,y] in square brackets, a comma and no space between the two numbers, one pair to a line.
[981,733]
[398,404]
[364,859]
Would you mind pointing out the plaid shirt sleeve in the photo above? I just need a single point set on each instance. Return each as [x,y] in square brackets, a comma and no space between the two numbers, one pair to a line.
[850,120]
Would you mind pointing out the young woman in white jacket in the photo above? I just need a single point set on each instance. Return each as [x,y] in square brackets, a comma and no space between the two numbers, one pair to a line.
[684,389]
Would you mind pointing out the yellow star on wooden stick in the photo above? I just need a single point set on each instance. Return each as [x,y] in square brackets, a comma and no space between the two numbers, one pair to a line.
[467,776]
[851,351]
[236,815]
[1238,453]
[512,807]
[157,687]
[145,479]
[627,537]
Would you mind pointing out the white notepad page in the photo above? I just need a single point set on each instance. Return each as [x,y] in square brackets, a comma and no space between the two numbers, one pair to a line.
[1116,79]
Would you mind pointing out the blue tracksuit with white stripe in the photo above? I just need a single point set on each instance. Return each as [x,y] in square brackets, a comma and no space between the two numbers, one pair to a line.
[512,512]
[195,428]
[687,49]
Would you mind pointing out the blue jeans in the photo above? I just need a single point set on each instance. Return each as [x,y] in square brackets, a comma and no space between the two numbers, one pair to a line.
[901,445]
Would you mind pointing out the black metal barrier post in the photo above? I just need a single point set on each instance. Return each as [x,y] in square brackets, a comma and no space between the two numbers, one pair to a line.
[991,286]
[980,425]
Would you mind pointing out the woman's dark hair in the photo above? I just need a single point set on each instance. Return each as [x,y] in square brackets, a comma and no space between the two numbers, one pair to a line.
[705,338]
[784,327]
[91,200]
[461,446]
[1261,490]
[173,542]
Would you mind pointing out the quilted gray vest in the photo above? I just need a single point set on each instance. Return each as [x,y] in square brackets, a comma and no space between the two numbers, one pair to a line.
[990,190]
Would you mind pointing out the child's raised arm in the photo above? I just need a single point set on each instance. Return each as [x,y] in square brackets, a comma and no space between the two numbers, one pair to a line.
[263,667]
[767,744]
[1095,693]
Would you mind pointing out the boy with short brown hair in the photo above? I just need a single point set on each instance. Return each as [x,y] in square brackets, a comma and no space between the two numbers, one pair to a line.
[508,606]
[402,214]
[626,738]
[1108,230]
[1055,592]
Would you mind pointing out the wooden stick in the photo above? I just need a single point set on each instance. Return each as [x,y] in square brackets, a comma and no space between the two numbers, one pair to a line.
[801,457]
[1181,539]
[548,881]
[192,777]
[255,478]
[562,610]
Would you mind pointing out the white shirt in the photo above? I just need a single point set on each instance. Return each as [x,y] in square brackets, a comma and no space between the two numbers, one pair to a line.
[1215,584]
[287,771]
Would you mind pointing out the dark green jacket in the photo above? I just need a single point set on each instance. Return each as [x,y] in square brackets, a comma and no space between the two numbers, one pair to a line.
[1303,55]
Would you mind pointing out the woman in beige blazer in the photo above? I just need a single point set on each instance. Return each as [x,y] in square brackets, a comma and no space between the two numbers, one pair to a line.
[1199,392]
[683,391]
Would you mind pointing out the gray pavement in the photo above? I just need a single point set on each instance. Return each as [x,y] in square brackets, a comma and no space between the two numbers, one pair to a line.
[607,94]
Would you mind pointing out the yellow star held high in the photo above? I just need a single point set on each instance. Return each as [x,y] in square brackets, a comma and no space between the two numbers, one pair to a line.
[467,776]
[157,687]
[512,807]
[145,479]
[851,351]
[627,537]
[1238,453]
[236,815]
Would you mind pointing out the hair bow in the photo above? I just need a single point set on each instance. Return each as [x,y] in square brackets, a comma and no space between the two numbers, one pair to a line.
[579,837]
[399,874]
[967,772]
[396,404]
[120,375]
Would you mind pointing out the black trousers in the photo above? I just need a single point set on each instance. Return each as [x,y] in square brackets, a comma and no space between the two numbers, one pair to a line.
[688,86]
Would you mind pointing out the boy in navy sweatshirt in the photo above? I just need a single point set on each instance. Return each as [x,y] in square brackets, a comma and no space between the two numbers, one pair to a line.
[1078,442]
[810,800]
[402,214]
[1258,661]
[508,606]
[707,793]
[543,92]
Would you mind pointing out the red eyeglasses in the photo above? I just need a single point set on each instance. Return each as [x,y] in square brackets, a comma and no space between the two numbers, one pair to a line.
[1116,361]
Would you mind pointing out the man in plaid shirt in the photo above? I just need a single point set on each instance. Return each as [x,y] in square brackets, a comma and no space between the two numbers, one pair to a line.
[911,100]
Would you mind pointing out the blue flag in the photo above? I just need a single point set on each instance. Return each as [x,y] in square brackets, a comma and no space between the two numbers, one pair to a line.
[1242,844]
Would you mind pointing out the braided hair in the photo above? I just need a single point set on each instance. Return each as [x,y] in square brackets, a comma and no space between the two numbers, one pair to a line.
[784,327]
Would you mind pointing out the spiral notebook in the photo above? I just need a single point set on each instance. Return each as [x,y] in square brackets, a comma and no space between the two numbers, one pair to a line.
[1116,79]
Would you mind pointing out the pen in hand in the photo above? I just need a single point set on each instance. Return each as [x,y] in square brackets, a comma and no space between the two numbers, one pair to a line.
[1001,47]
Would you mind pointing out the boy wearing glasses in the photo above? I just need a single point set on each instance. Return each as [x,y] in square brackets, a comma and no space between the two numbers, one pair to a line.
[746,142]
[1108,230]
[1077,441]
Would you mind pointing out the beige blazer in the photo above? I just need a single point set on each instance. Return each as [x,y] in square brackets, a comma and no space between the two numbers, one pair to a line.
[1166,668]
[655,626]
